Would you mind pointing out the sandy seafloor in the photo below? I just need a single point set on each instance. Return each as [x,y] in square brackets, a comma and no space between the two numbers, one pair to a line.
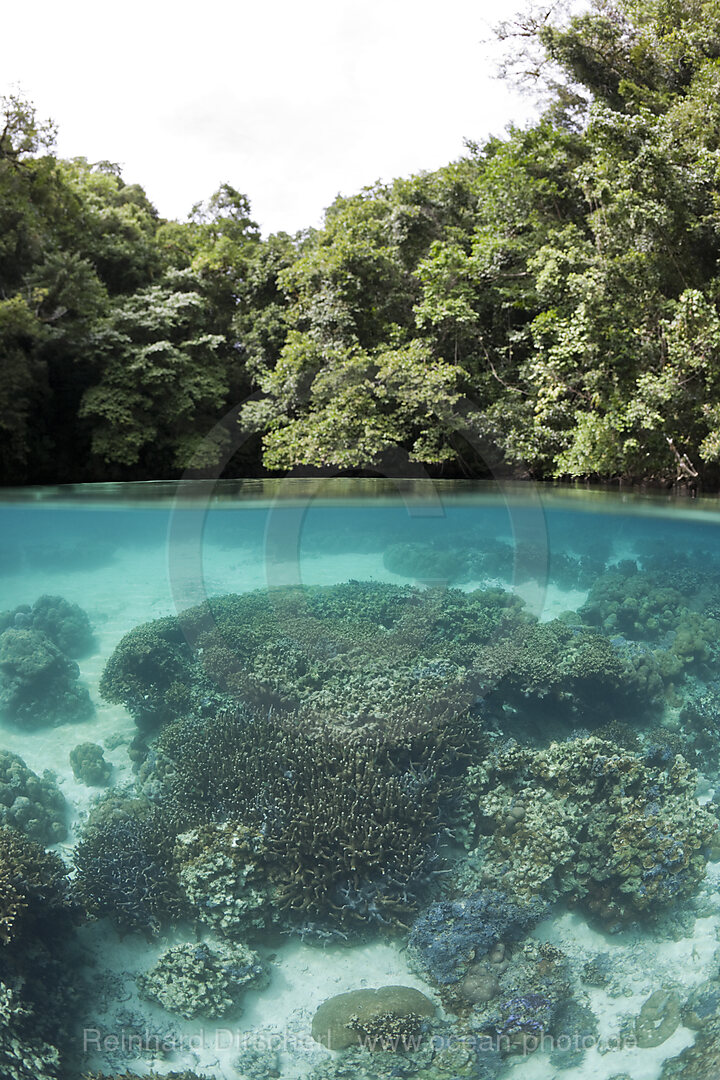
[132,589]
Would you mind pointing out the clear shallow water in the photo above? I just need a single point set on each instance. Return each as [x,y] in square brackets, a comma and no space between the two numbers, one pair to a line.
[438,697]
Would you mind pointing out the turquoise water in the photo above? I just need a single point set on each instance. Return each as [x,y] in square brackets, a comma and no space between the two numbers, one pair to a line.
[261,746]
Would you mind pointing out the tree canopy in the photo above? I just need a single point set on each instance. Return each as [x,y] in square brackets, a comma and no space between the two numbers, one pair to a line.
[550,299]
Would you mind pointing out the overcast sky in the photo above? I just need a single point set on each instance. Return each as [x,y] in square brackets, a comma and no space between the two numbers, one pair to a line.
[289,102]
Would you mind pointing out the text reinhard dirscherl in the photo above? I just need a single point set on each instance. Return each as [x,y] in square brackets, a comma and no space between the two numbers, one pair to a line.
[223,1039]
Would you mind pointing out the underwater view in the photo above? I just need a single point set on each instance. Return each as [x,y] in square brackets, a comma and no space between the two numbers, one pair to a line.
[344,781]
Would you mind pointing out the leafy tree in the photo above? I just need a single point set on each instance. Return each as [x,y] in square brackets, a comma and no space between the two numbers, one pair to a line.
[163,378]
[349,410]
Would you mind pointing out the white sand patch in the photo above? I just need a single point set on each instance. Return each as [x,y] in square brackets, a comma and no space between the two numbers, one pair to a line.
[301,978]
[642,963]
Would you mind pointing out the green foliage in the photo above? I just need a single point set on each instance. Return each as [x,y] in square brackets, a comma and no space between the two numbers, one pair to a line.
[163,378]
[549,300]
[344,408]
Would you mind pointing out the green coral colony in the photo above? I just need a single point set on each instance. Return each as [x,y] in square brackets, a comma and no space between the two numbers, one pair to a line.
[425,764]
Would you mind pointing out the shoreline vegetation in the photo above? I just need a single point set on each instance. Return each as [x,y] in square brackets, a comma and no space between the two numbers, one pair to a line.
[545,307]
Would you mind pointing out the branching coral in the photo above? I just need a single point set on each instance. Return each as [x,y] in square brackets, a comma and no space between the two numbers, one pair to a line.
[346,832]
[33,885]
[124,865]
[186,1074]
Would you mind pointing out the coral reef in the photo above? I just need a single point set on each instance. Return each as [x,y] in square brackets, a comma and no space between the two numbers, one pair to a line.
[125,867]
[659,1018]
[150,672]
[452,934]
[89,764]
[186,1074]
[33,885]
[366,656]
[473,557]
[702,1005]
[39,683]
[390,1014]
[565,672]
[197,980]
[30,803]
[60,620]
[311,647]
[699,1061]
[36,984]
[527,997]
[619,832]
[660,605]
[349,830]
[23,1055]
[441,1051]
[425,562]
[222,874]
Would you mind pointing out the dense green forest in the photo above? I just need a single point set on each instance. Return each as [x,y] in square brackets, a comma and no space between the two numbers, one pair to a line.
[549,301]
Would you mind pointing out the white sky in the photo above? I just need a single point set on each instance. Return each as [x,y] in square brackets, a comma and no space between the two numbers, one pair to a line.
[291,103]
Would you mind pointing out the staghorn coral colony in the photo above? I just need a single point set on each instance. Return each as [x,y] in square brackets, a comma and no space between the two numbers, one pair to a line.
[415,764]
